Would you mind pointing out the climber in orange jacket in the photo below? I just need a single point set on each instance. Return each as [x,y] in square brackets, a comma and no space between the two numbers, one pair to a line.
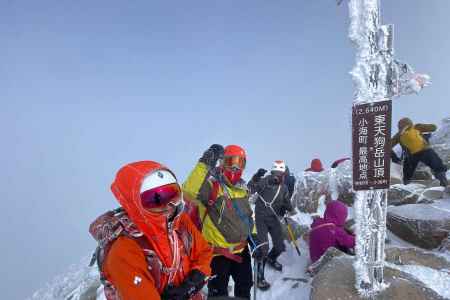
[150,249]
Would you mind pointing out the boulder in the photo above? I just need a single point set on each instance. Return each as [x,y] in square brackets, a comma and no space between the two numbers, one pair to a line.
[422,174]
[445,246]
[310,188]
[336,281]
[347,196]
[432,194]
[400,194]
[343,178]
[423,225]
[91,292]
[415,256]
[396,180]
[324,260]
[440,141]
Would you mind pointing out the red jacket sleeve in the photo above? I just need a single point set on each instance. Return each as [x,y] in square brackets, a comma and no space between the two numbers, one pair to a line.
[201,253]
[126,267]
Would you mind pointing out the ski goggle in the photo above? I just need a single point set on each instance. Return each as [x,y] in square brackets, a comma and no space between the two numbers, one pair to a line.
[161,196]
[234,162]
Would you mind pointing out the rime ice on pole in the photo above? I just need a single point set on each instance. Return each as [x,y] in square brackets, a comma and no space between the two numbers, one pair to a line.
[377,76]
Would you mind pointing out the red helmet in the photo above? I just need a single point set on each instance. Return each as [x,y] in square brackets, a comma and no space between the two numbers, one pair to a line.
[234,160]
[234,150]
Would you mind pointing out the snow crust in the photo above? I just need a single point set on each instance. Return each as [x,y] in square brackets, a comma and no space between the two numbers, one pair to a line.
[438,281]
[70,285]
[292,284]
[421,212]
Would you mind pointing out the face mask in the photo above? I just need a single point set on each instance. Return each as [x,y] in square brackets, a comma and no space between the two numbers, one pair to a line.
[233,176]
[278,177]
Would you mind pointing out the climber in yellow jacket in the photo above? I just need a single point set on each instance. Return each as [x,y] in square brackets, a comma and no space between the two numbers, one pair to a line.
[225,216]
[410,137]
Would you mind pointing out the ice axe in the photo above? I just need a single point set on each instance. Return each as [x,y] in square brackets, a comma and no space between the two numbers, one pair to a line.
[291,235]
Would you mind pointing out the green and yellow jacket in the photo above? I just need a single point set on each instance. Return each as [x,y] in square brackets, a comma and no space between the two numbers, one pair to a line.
[227,216]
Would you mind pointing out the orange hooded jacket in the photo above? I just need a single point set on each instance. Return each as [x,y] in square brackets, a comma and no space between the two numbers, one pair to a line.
[126,266]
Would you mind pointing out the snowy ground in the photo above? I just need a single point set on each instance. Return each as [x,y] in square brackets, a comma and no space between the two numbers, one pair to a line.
[291,284]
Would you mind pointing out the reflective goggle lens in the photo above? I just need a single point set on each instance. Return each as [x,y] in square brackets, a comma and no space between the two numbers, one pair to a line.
[236,162]
[161,196]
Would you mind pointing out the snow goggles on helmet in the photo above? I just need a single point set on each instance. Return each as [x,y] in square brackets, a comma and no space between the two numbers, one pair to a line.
[234,162]
[161,196]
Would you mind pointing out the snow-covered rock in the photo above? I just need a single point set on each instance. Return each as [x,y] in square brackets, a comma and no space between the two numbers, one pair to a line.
[432,194]
[423,225]
[310,187]
[422,174]
[400,194]
[440,141]
[445,246]
[415,256]
[79,283]
[412,193]
[337,281]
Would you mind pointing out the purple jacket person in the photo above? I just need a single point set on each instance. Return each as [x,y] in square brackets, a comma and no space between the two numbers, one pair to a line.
[329,231]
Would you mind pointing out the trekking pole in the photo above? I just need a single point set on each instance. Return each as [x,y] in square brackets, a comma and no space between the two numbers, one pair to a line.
[292,236]
[255,267]
[255,277]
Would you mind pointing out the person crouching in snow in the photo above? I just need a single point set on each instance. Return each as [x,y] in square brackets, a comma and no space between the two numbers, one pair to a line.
[149,248]
[225,216]
[329,231]
[272,203]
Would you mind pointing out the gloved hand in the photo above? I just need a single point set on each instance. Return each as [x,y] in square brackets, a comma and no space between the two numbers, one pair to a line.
[261,172]
[191,285]
[212,155]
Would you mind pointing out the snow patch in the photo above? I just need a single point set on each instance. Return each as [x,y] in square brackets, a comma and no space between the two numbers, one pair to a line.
[421,212]
[71,285]
[436,280]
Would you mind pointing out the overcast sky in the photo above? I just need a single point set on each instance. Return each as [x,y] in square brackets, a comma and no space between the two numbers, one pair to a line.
[87,86]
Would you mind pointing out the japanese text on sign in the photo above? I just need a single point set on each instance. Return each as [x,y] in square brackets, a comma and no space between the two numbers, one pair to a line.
[371,145]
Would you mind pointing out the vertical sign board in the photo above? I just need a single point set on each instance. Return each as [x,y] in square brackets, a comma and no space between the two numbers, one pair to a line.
[371,135]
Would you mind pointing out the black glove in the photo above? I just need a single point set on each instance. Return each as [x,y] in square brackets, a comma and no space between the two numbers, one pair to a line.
[212,155]
[261,172]
[189,287]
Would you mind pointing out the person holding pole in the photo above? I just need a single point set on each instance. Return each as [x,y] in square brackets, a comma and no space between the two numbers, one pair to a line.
[272,203]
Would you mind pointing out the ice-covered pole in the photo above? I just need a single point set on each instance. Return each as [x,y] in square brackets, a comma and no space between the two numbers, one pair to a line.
[371,78]
[377,77]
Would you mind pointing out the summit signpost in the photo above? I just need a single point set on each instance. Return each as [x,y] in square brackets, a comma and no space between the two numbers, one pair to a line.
[378,78]
[371,131]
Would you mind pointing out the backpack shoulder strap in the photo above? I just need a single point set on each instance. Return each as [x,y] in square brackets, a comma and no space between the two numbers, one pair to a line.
[212,198]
